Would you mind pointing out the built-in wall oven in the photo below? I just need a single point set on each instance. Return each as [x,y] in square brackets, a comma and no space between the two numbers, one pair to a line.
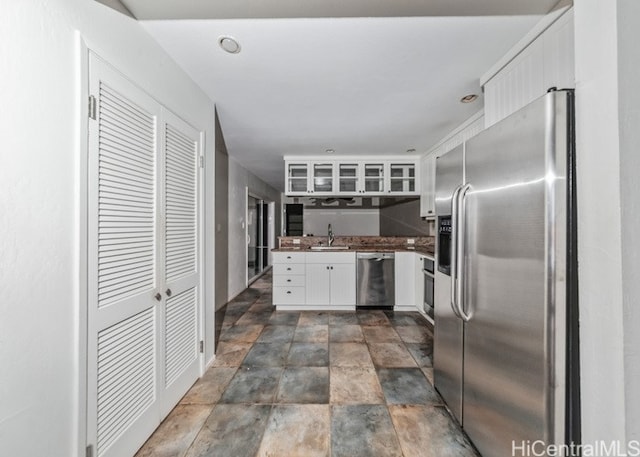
[427,271]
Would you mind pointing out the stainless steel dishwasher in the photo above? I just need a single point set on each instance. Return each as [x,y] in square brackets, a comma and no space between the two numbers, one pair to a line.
[376,279]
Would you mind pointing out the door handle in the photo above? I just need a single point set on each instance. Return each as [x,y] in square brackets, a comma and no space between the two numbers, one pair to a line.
[168,292]
[454,250]
[462,209]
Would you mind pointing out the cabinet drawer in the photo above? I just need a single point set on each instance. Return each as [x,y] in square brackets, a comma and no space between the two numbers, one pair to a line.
[331,257]
[288,295]
[288,257]
[288,280]
[288,269]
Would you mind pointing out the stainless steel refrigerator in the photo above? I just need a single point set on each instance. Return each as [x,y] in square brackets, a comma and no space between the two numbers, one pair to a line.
[506,340]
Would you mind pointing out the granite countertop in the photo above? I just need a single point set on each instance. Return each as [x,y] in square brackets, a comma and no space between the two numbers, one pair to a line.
[425,250]
[421,244]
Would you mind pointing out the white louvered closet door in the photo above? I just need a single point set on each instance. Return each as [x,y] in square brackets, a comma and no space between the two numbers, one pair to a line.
[182,276]
[123,317]
[143,290]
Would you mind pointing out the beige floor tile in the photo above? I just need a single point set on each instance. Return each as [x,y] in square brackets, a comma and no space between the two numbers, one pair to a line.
[242,333]
[354,385]
[380,334]
[429,431]
[346,334]
[391,355]
[297,431]
[177,432]
[231,354]
[209,388]
[414,334]
[349,355]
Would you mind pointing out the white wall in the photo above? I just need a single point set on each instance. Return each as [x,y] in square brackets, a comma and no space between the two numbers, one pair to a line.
[629,118]
[602,327]
[344,222]
[40,269]
[239,180]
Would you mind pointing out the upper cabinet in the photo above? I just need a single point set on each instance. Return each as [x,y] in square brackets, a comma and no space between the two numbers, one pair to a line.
[469,128]
[350,176]
[428,193]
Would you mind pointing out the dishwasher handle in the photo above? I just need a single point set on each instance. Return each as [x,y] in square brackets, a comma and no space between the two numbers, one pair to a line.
[377,256]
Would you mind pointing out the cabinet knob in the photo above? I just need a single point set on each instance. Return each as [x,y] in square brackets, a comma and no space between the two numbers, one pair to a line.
[158,296]
[288,257]
[289,292]
[430,211]
[168,292]
[288,280]
[327,268]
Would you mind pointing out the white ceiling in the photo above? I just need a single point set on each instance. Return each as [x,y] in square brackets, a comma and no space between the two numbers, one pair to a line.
[356,85]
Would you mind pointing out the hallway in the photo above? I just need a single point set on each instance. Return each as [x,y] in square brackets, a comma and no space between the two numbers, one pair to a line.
[313,384]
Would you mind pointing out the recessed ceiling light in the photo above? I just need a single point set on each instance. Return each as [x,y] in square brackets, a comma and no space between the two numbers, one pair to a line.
[469,98]
[229,44]
[329,151]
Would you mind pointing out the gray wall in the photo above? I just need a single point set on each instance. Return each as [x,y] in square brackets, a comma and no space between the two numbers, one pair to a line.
[222,218]
[403,219]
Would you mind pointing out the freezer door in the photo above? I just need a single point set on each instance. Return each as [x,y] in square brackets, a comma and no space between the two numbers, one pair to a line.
[449,175]
[515,214]
[448,328]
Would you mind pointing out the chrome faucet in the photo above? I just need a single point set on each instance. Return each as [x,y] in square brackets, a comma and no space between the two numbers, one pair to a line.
[331,237]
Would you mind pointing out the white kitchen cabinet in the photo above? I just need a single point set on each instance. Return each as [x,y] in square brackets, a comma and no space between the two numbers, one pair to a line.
[331,279]
[403,178]
[343,284]
[289,273]
[297,178]
[428,185]
[352,176]
[405,281]
[318,284]
[466,130]
[306,177]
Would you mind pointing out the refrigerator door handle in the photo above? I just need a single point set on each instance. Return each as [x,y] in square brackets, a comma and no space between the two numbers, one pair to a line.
[460,279]
[454,250]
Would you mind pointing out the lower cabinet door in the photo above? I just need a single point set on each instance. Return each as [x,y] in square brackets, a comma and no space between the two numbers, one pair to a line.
[343,284]
[318,284]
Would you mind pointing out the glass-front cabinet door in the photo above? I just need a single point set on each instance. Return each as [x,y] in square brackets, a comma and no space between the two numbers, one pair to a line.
[323,178]
[352,176]
[297,178]
[348,178]
[402,178]
[373,177]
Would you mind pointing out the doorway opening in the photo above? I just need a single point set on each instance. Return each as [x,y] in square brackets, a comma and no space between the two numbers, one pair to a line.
[259,236]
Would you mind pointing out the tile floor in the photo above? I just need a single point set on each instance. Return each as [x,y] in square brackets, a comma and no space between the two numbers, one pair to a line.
[308,384]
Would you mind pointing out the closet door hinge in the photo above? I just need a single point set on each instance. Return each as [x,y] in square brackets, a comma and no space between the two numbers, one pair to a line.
[201,161]
[201,347]
[92,107]
[89,452]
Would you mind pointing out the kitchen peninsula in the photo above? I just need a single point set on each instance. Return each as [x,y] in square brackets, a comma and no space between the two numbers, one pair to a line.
[308,274]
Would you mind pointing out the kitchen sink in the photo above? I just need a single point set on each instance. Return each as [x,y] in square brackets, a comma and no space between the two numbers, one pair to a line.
[329,248]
